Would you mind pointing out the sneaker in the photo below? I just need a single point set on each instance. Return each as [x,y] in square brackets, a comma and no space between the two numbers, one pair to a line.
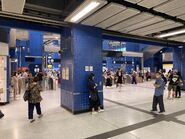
[94,112]
[101,110]
[161,111]
[153,110]
[40,116]
[32,120]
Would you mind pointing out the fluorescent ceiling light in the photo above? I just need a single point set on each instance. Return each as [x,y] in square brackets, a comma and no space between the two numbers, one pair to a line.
[84,10]
[171,33]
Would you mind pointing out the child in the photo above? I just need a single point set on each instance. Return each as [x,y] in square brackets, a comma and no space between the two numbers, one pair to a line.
[158,95]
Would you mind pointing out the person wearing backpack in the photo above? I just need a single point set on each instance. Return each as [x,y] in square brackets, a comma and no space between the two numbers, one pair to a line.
[34,99]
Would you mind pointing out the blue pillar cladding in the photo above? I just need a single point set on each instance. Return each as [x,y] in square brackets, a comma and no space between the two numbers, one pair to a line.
[35,48]
[36,43]
[179,61]
[85,49]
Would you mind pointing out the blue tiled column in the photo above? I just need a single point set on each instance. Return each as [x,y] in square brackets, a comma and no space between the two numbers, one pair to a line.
[35,47]
[179,61]
[82,47]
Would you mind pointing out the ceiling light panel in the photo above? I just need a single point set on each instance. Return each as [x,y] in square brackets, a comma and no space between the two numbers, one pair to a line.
[171,5]
[129,12]
[177,12]
[178,38]
[170,26]
[143,24]
[154,26]
[151,3]
[133,20]
[84,10]
[103,14]
[133,1]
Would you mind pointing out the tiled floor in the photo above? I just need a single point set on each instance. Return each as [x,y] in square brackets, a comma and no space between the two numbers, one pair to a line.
[126,116]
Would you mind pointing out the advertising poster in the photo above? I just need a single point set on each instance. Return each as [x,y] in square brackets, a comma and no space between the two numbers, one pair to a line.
[3,79]
[65,73]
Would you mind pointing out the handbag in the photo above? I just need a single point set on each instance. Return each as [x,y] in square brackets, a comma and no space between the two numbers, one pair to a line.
[26,95]
[1,114]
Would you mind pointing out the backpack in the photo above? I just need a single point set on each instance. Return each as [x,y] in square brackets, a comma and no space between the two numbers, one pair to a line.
[26,95]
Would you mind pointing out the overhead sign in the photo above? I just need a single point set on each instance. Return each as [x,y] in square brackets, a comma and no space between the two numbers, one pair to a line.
[116,43]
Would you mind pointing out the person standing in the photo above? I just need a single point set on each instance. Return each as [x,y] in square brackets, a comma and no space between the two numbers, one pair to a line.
[173,82]
[93,95]
[40,77]
[119,75]
[34,99]
[15,84]
[134,75]
[158,95]
[178,89]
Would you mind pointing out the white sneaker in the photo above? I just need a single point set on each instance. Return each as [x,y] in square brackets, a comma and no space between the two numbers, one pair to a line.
[94,112]
[101,110]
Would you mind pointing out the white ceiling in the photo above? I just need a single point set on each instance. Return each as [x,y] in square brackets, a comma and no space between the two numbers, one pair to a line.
[127,13]
[103,14]
[129,20]
[151,3]
[178,38]
[155,26]
[143,24]
[13,6]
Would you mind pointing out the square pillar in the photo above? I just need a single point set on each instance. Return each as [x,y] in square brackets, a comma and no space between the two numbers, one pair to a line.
[82,55]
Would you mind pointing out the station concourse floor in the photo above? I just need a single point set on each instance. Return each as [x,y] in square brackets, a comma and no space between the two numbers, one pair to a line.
[127,116]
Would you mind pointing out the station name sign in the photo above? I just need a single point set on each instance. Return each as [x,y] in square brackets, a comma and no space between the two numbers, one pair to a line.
[116,43]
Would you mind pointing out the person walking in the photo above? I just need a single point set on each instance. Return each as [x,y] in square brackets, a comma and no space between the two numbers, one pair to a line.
[34,99]
[158,95]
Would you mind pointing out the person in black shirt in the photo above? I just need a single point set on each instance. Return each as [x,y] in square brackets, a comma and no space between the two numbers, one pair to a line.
[173,82]
[93,95]
[178,89]
[119,76]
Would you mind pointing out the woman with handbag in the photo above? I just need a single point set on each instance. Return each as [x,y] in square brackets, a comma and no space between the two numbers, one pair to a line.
[34,99]
[93,95]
